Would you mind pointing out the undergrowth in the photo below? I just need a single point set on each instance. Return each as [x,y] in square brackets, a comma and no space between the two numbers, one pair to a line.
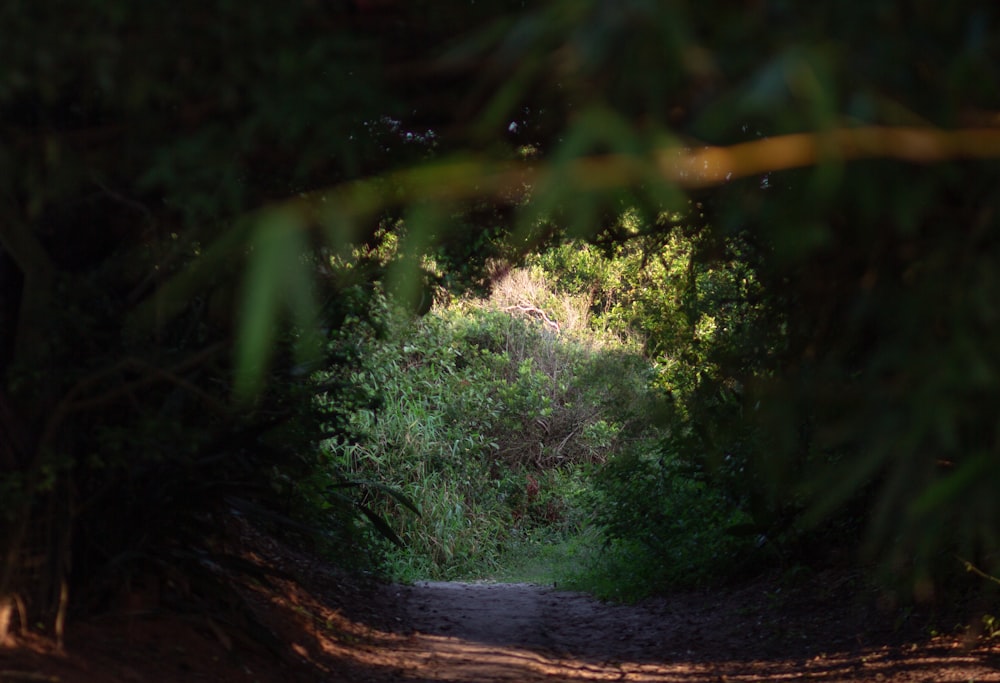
[530,436]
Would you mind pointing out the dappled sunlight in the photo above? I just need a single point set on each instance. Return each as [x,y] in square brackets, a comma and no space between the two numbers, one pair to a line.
[519,632]
[327,626]
[817,630]
[427,657]
[688,305]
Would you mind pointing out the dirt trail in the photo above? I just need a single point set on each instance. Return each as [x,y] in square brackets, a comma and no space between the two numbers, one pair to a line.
[519,632]
[320,625]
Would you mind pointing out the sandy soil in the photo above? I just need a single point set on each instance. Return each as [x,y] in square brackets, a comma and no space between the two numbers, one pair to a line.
[320,625]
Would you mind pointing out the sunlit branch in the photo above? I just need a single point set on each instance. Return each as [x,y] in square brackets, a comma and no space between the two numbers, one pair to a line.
[685,168]
[345,208]
[716,165]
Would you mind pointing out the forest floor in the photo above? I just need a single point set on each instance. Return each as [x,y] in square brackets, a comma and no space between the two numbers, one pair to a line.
[322,625]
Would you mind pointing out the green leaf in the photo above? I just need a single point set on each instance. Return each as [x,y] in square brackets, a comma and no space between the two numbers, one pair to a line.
[278,277]
[380,524]
[389,490]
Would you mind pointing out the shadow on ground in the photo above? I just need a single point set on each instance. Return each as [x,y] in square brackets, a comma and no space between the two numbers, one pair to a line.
[321,625]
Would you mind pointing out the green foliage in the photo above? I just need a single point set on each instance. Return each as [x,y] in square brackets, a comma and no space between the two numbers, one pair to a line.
[886,381]
[817,303]
[675,523]
[489,420]
[670,505]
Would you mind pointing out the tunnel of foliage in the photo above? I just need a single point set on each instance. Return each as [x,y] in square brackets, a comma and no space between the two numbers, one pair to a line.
[213,214]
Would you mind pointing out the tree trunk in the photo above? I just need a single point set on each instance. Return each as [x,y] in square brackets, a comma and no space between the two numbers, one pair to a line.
[33,559]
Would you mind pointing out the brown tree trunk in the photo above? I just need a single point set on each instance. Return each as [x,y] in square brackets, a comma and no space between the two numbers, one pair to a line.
[31,570]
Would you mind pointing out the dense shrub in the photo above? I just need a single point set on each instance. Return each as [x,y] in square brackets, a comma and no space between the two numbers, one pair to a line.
[489,410]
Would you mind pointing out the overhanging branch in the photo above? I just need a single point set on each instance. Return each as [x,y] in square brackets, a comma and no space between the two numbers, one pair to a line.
[683,167]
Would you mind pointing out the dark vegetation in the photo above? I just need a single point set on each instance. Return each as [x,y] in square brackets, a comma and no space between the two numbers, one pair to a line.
[253,261]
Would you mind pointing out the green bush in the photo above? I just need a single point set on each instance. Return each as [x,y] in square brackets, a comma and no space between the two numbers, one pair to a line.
[675,523]
[489,416]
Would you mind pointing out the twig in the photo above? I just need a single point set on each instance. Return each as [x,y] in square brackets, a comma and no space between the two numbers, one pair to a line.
[532,310]
[122,199]
[969,567]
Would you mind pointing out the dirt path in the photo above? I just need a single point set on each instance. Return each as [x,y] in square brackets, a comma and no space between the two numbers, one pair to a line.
[522,632]
[320,625]
[519,632]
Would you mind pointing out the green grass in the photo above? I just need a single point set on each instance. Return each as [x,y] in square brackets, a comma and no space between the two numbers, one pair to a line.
[580,561]
[545,558]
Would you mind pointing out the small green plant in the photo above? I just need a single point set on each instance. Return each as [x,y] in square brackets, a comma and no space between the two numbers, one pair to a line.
[991,625]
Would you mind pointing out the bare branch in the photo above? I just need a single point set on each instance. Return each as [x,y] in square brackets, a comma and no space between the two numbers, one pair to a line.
[536,312]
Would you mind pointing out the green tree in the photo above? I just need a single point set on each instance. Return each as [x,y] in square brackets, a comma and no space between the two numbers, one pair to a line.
[174,180]
[147,264]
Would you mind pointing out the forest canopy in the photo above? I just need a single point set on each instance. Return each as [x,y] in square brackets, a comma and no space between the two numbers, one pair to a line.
[201,203]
